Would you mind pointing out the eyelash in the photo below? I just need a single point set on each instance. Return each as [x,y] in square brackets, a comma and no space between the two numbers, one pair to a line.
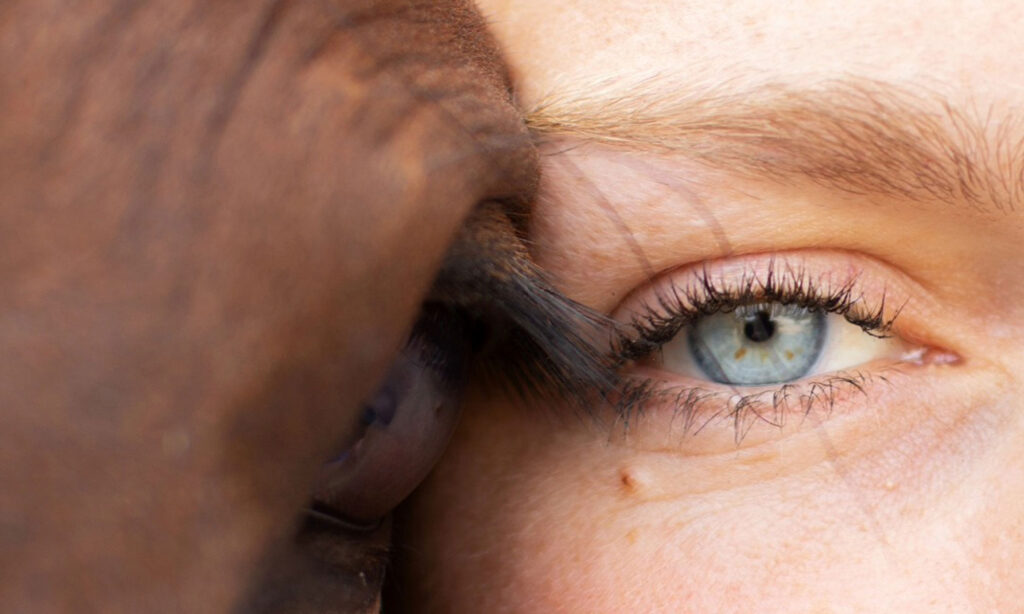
[681,307]
[653,328]
[768,406]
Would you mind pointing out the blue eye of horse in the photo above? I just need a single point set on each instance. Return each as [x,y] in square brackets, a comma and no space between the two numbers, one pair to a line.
[760,344]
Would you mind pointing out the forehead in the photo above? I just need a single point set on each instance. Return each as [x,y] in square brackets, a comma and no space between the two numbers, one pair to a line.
[962,49]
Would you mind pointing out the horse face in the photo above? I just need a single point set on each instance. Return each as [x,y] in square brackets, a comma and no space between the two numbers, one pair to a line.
[219,220]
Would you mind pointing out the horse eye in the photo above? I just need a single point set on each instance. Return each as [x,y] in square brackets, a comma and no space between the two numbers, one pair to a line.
[405,426]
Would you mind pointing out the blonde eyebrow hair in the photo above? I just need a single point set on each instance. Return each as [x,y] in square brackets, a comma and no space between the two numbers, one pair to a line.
[859,136]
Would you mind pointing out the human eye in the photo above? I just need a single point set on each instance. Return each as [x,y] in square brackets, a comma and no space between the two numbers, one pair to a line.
[758,341]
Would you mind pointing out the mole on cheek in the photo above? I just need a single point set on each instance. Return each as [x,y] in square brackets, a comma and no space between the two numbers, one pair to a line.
[637,482]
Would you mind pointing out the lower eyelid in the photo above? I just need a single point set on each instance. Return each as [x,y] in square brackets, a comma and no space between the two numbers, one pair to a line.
[696,417]
[909,414]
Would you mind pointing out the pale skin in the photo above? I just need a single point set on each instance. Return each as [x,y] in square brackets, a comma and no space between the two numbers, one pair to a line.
[907,497]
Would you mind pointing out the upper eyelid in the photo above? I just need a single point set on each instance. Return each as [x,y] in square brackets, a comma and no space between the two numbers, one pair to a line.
[920,306]
[796,290]
[865,260]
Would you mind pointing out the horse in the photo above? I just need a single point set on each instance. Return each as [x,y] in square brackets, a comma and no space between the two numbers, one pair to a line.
[219,223]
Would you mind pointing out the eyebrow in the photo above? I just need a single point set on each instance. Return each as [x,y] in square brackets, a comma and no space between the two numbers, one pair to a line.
[857,136]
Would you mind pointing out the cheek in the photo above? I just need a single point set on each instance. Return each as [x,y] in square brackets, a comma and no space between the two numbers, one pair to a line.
[526,514]
[529,514]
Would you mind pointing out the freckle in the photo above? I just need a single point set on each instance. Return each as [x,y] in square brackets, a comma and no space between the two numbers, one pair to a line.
[740,353]
[631,536]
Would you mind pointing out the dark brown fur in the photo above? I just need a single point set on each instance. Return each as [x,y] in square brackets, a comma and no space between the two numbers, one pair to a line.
[218,221]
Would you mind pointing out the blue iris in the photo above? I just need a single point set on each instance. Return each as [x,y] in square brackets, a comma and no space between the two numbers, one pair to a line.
[765,343]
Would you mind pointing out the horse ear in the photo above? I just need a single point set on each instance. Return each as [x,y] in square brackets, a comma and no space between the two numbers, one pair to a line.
[218,224]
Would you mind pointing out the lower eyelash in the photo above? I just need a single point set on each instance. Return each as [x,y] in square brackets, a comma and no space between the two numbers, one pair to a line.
[697,407]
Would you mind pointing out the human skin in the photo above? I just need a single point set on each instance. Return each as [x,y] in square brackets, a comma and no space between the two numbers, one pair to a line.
[905,498]
[219,221]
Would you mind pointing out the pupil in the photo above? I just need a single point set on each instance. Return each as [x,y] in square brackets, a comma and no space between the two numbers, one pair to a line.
[759,327]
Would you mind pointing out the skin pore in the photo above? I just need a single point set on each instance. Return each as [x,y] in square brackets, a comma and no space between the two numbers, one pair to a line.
[876,145]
